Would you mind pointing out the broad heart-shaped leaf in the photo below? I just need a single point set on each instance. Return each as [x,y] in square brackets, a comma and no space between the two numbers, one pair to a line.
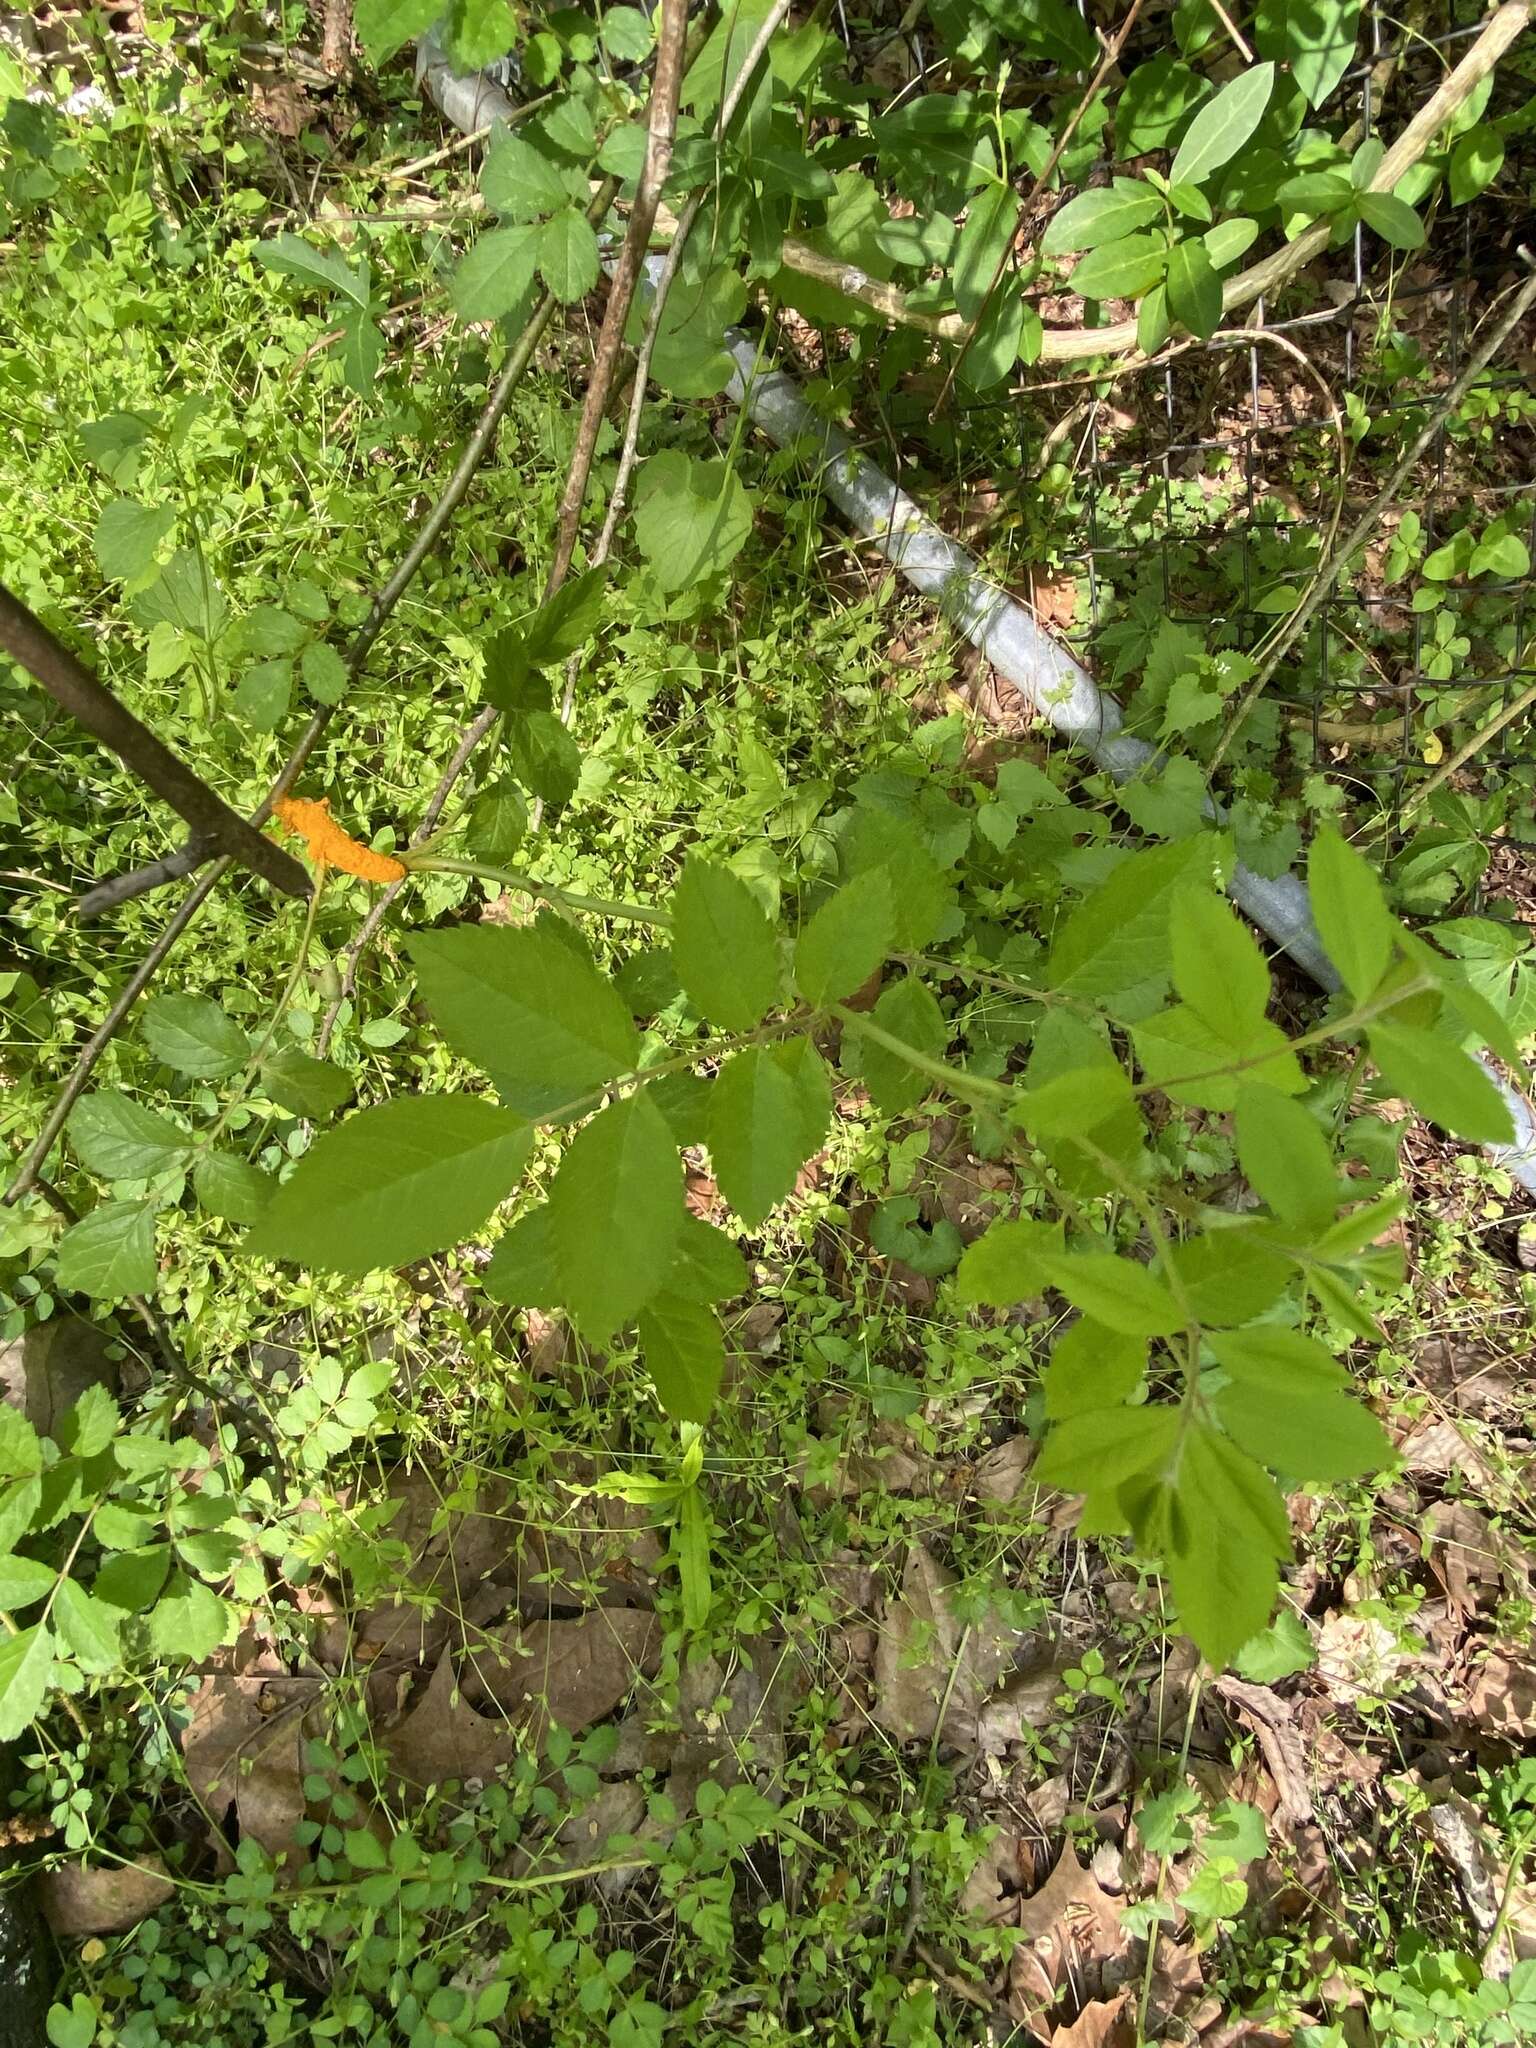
[1315,37]
[1006,1264]
[684,1349]
[126,537]
[1223,125]
[125,1140]
[768,1112]
[495,276]
[910,1011]
[303,1085]
[193,1035]
[26,1665]
[527,1008]
[1114,947]
[384,26]
[1194,289]
[1090,1368]
[1223,1530]
[1288,1405]
[1352,917]
[109,1253]
[321,268]
[1107,214]
[1442,1082]
[1116,1292]
[615,1210]
[724,949]
[1120,270]
[1217,967]
[394,1183]
[692,518]
[521,184]
[846,939]
[1286,1157]
[568,261]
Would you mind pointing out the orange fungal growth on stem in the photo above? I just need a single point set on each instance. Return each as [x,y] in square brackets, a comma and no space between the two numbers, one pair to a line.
[309,819]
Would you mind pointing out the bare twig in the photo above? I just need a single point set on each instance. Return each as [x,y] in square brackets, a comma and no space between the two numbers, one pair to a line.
[1232,30]
[90,703]
[1338,561]
[661,132]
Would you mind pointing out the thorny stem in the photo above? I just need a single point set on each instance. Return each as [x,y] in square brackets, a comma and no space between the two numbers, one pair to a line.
[530,885]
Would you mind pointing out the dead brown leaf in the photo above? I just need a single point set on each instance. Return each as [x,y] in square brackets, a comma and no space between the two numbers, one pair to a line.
[1437,1445]
[928,1663]
[1071,1897]
[991,1892]
[102,1898]
[1026,1702]
[243,1749]
[1000,1472]
[1502,1697]
[1279,1740]
[47,1368]
[444,1737]
[565,1673]
[1101,2024]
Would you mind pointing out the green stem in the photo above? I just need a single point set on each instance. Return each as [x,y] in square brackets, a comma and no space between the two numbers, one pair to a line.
[956,1082]
[530,885]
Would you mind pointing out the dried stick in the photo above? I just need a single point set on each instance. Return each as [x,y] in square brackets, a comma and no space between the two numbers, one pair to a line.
[90,703]
[661,132]
[1338,561]
[378,612]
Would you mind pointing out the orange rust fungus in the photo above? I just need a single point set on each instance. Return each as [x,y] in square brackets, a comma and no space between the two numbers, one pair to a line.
[309,819]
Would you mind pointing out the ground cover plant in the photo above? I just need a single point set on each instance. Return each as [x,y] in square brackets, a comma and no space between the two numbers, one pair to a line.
[733,1362]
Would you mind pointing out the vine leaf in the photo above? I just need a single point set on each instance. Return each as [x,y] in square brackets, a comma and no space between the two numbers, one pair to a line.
[394,1183]
[1288,1403]
[193,1035]
[1316,38]
[692,518]
[1442,1082]
[110,1253]
[615,1210]
[846,940]
[1353,920]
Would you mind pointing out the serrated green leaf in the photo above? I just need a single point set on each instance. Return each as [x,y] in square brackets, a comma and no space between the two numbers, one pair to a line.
[846,940]
[568,256]
[1103,1449]
[910,1011]
[1276,1652]
[1442,1082]
[1092,1368]
[303,1085]
[132,1579]
[522,1272]
[1230,1276]
[723,948]
[109,1253]
[395,1183]
[126,536]
[189,1622]
[124,1140]
[384,26]
[1288,1405]
[615,1211]
[1221,127]
[1218,969]
[1191,1063]
[1286,1157]
[19,1502]
[1357,929]
[89,1628]
[521,1004]
[684,1350]
[26,1666]
[706,1266]
[231,1188]
[90,1425]
[769,1110]
[264,694]
[1007,1263]
[519,183]
[322,269]
[23,1580]
[1226,1531]
[1114,947]
[496,275]
[1116,1292]
[193,1035]
[325,674]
